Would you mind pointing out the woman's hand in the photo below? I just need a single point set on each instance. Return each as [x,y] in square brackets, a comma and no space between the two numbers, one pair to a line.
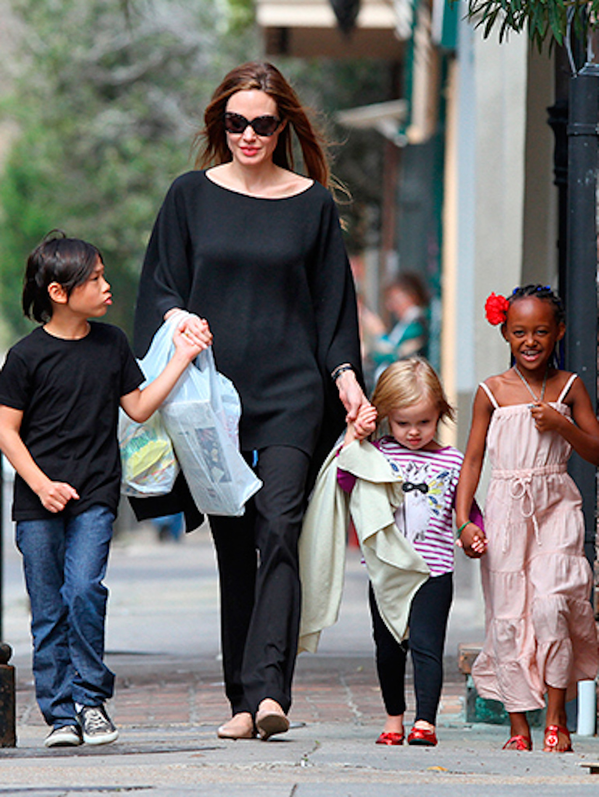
[351,394]
[196,329]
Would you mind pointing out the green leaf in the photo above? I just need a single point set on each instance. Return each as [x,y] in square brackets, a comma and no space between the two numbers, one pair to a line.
[543,19]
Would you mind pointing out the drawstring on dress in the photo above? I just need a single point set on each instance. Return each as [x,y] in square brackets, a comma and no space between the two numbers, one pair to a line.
[520,490]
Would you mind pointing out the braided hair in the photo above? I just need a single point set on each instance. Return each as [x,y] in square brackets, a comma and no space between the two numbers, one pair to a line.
[543,292]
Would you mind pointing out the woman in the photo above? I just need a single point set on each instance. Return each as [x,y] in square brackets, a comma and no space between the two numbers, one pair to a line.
[406,298]
[254,250]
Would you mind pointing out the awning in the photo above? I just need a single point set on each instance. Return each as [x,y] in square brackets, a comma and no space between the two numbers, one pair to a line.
[310,29]
[388,118]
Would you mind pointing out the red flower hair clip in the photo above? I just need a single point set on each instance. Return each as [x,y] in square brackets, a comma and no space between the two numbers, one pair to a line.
[496,309]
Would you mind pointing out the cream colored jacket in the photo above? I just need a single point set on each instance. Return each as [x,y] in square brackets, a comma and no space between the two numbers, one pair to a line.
[395,569]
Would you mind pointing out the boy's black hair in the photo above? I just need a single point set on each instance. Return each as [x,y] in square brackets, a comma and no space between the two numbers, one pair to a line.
[67,261]
[544,292]
[547,294]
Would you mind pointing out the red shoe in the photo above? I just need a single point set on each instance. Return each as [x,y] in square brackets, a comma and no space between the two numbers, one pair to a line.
[422,737]
[552,733]
[390,738]
[518,742]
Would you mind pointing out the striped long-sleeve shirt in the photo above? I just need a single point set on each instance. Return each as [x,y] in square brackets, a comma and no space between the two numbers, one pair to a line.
[426,516]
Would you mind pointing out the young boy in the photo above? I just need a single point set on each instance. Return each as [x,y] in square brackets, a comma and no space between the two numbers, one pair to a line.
[60,391]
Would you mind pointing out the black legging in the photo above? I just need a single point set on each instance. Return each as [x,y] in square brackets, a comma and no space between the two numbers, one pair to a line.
[427,626]
[259,583]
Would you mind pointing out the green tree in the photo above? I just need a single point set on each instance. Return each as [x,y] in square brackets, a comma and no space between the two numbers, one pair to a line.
[106,96]
[106,104]
[542,19]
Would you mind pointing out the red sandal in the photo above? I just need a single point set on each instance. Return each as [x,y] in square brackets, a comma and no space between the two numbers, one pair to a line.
[390,737]
[518,742]
[552,733]
[423,737]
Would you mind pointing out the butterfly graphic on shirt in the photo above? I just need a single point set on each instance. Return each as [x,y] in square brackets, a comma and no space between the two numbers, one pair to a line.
[424,493]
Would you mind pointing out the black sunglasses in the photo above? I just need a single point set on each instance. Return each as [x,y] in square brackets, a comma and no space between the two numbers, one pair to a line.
[262,125]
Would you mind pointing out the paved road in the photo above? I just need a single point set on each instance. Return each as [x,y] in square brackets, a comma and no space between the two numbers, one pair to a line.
[162,642]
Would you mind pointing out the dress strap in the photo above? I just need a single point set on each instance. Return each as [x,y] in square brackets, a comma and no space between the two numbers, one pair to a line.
[564,392]
[492,398]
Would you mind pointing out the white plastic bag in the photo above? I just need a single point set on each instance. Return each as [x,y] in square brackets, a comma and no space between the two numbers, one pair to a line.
[201,416]
[148,462]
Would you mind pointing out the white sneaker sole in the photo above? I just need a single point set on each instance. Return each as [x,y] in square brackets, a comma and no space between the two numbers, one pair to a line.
[71,740]
[104,738]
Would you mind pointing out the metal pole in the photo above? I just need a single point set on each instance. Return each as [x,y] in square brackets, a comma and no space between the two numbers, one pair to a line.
[581,273]
[558,121]
[8,725]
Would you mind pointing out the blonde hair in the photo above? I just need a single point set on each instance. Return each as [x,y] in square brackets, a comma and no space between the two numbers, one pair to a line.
[407,382]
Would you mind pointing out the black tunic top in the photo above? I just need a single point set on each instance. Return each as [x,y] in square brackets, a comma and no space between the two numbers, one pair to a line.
[272,278]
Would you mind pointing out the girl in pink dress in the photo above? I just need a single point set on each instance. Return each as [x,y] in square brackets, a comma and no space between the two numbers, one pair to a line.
[541,636]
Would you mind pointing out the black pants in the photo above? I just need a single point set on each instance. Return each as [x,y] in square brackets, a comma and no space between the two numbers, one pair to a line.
[426,641]
[259,582]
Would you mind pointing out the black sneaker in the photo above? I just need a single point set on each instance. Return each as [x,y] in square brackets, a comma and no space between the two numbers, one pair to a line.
[65,736]
[96,725]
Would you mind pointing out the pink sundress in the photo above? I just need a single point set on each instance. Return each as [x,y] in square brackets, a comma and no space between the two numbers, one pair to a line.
[540,627]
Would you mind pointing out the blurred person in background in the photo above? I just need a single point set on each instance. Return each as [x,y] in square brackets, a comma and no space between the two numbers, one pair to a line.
[406,299]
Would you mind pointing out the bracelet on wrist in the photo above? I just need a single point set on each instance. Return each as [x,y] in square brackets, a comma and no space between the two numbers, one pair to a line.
[341,369]
[462,527]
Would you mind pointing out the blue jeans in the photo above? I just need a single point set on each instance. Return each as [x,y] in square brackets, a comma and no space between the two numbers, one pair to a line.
[64,560]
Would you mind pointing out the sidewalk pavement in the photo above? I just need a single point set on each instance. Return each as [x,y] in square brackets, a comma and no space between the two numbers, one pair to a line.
[163,644]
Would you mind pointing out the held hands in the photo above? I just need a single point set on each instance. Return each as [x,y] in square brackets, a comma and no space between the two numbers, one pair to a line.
[364,425]
[351,395]
[473,540]
[187,344]
[192,335]
[56,495]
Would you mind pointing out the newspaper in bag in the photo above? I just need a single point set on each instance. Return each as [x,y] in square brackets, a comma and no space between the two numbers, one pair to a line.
[201,416]
[149,465]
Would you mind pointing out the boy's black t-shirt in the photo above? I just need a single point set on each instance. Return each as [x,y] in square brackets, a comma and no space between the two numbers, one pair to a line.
[69,391]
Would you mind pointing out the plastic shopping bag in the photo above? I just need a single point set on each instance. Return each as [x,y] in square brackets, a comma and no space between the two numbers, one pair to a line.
[149,465]
[201,416]
[148,461]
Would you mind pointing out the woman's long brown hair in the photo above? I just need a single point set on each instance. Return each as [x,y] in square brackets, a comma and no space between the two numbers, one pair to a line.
[211,140]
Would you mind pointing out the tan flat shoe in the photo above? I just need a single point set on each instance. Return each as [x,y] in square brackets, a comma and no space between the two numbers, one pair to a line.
[270,720]
[240,726]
